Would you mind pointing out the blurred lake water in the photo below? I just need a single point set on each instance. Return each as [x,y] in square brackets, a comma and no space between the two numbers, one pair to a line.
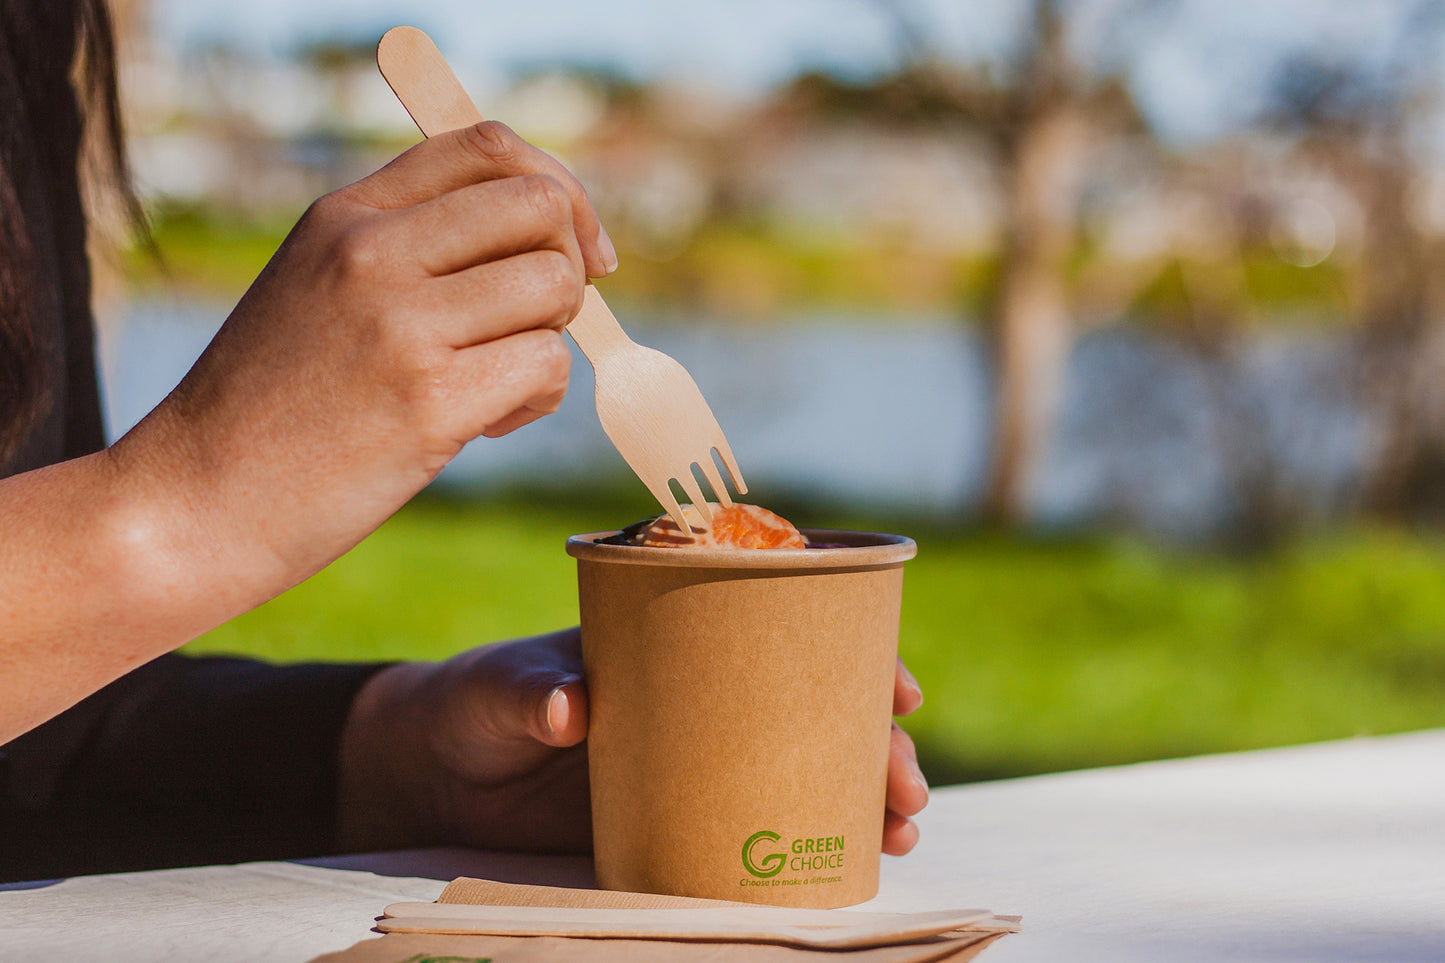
[895,414]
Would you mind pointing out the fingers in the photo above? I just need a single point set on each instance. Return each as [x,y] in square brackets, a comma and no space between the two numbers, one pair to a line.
[520,418]
[539,289]
[494,387]
[520,271]
[488,221]
[907,791]
[900,835]
[907,694]
[486,152]
[500,257]
[907,794]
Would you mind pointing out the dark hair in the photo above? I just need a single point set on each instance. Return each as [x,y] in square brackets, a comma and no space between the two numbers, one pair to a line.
[58,103]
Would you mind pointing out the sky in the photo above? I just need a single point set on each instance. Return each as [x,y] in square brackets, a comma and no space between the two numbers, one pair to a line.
[1198,67]
[741,44]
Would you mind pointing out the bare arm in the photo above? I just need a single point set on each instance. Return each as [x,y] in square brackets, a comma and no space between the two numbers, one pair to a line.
[404,316]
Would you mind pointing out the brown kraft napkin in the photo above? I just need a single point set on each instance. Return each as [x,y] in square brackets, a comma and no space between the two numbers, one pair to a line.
[703,931]
[486,892]
[432,948]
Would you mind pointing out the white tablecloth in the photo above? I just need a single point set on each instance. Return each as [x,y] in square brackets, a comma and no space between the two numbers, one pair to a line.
[1331,852]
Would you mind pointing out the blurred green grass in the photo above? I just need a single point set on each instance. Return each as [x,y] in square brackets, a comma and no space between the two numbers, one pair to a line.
[205,250]
[1034,655]
[755,272]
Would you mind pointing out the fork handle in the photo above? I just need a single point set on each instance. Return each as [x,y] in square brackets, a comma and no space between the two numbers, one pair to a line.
[424,82]
[595,329]
[426,86]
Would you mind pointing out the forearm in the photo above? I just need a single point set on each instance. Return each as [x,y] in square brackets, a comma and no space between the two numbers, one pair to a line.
[105,563]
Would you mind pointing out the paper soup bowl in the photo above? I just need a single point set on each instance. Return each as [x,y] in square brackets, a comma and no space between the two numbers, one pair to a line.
[740,710]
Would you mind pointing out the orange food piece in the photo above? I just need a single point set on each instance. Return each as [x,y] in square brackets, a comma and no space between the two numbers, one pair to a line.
[741,526]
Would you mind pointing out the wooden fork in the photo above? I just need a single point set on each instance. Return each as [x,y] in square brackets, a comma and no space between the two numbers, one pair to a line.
[648,404]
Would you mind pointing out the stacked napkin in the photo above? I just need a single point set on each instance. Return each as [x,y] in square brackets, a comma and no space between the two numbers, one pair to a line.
[477,919]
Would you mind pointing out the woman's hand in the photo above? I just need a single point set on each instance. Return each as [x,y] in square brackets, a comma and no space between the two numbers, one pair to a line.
[907,789]
[486,749]
[404,316]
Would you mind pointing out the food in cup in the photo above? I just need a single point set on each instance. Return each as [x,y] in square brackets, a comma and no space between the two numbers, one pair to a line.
[734,526]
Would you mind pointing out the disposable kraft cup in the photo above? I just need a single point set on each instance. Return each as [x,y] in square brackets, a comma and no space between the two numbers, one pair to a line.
[741,704]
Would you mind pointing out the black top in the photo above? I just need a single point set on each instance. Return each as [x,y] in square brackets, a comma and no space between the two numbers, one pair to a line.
[184,761]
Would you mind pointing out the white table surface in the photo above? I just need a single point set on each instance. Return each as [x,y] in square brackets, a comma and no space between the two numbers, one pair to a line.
[1323,853]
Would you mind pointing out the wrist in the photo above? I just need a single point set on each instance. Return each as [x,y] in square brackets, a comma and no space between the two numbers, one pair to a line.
[179,517]
[98,579]
[387,773]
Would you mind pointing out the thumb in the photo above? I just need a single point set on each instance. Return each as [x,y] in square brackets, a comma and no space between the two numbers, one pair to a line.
[517,700]
[503,707]
[505,724]
[560,717]
[537,689]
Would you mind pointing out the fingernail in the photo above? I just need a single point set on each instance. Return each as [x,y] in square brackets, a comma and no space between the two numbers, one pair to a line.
[912,683]
[604,246]
[919,778]
[555,701]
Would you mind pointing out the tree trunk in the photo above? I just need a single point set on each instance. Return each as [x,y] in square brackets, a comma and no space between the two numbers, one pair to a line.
[1031,321]
[1401,349]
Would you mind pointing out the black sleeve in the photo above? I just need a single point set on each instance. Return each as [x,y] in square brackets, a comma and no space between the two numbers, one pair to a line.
[184,761]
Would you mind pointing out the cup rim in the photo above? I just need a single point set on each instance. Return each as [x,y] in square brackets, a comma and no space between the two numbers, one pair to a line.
[860,549]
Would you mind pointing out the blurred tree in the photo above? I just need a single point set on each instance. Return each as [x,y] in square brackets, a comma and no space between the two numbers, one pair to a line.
[1044,139]
[1362,120]
[1046,115]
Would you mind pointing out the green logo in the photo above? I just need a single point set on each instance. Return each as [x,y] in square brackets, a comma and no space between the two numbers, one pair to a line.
[770,865]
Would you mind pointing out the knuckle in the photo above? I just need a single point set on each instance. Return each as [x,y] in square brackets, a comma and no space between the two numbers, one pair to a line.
[432,400]
[493,141]
[357,252]
[422,386]
[547,198]
[558,359]
[324,218]
[554,371]
[390,340]
[558,286]
[320,209]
